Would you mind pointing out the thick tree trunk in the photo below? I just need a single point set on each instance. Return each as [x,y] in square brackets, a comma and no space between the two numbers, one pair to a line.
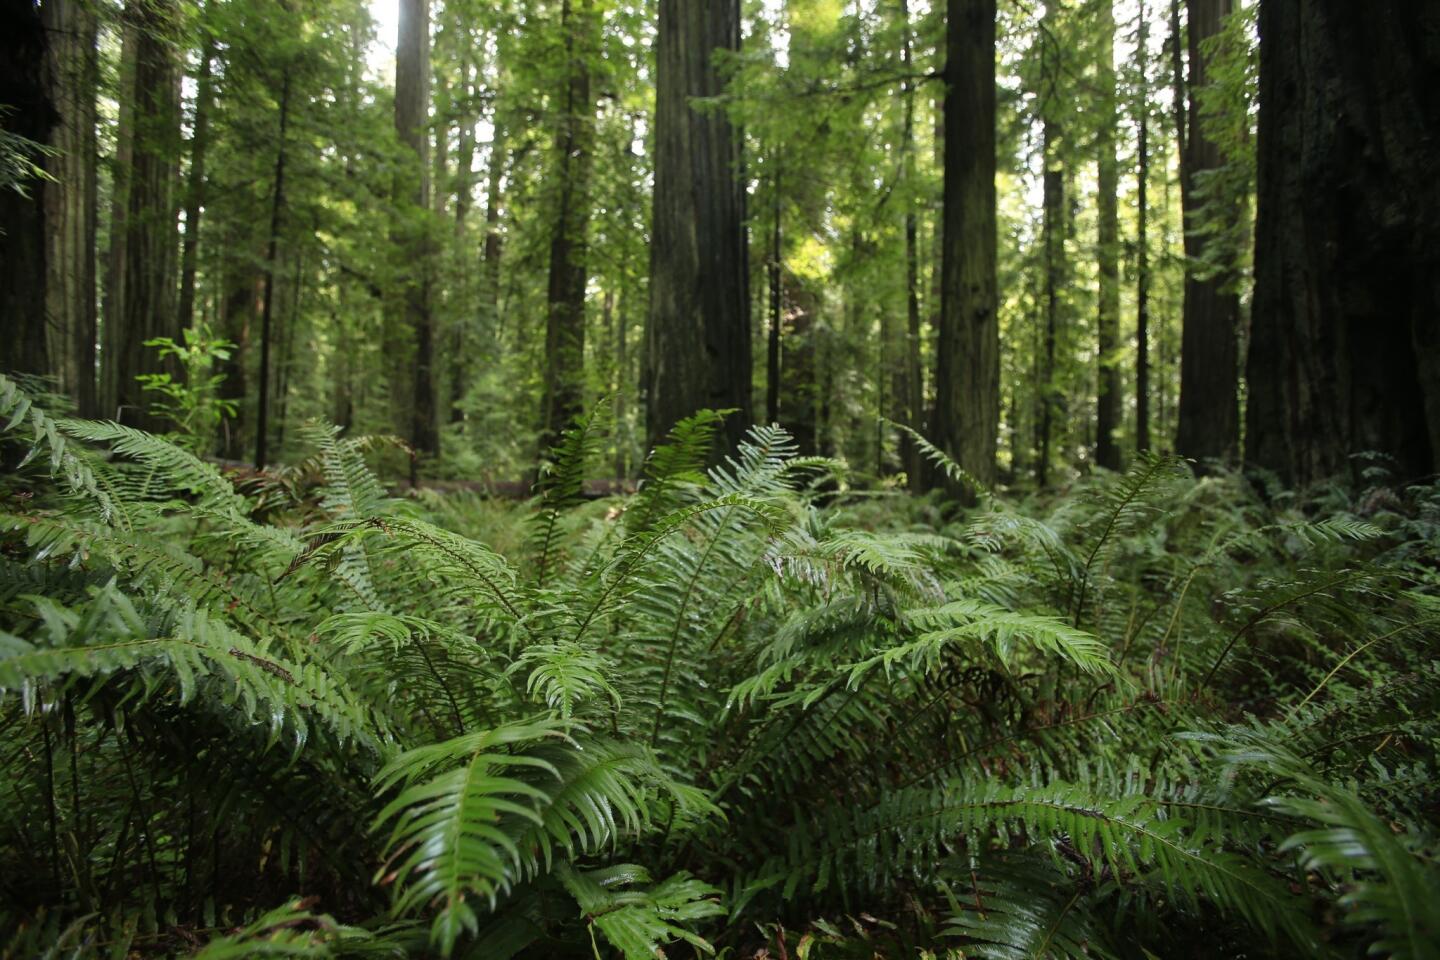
[146,235]
[195,191]
[23,230]
[1343,353]
[1107,401]
[73,73]
[564,397]
[1142,246]
[1209,419]
[697,336]
[967,363]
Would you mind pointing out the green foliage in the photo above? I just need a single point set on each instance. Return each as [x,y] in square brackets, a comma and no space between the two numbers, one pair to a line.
[1097,725]
[192,401]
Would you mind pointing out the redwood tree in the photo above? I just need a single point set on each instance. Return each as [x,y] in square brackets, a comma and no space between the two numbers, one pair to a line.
[697,332]
[967,363]
[1209,420]
[1345,345]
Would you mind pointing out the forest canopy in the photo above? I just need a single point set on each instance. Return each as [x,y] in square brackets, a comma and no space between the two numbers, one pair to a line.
[755,478]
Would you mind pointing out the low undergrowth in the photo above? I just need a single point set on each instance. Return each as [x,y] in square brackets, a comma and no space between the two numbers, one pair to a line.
[742,711]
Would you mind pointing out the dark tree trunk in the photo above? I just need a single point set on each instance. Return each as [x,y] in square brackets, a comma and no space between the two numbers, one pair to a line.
[967,362]
[464,182]
[777,299]
[1344,355]
[1054,239]
[799,389]
[195,191]
[277,208]
[23,231]
[144,296]
[910,381]
[1209,419]
[1142,246]
[412,89]
[73,72]
[1107,401]
[238,309]
[564,397]
[697,333]
[490,256]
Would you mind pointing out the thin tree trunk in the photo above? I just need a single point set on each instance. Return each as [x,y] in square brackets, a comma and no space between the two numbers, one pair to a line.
[412,86]
[464,183]
[775,267]
[490,261]
[1107,405]
[910,388]
[113,332]
[272,246]
[195,192]
[1142,269]
[564,397]
[1054,241]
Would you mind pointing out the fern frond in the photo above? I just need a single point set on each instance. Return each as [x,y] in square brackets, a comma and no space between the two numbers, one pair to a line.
[638,922]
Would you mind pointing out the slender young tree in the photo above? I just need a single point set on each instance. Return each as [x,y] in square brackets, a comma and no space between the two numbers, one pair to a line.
[1344,351]
[412,99]
[1107,249]
[910,385]
[564,397]
[272,253]
[697,331]
[1142,241]
[967,367]
[1209,419]
[195,189]
[1053,231]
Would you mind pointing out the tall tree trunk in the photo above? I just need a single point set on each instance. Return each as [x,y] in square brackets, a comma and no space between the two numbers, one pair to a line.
[73,74]
[967,363]
[1107,405]
[622,377]
[464,183]
[1209,419]
[23,231]
[697,335]
[564,397]
[777,300]
[910,385]
[1142,245]
[1054,249]
[412,97]
[1345,352]
[267,303]
[195,191]
[490,326]
[144,301]
[244,287]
